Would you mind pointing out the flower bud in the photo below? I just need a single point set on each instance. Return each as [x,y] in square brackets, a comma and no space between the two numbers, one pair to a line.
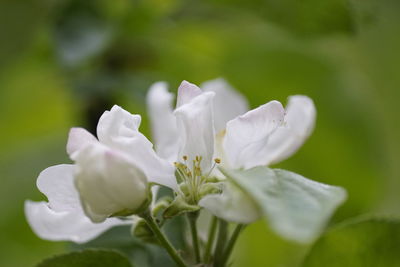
[109,184]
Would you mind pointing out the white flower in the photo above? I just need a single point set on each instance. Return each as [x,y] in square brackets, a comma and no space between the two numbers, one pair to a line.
[62,218]
[262,136]
[225,105]
[110,177]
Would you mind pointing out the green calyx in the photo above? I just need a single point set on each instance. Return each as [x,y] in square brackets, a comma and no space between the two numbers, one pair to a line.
[184,201]
[141,230]
[179,206]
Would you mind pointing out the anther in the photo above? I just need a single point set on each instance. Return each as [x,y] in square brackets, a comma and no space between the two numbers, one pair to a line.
[217,160]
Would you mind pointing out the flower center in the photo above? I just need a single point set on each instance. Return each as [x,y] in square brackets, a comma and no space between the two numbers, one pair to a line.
[191,178]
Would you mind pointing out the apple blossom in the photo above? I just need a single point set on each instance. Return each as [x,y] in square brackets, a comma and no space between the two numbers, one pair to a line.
[62,218]
[243,146]
[262,136]
[110,177]
[211,150]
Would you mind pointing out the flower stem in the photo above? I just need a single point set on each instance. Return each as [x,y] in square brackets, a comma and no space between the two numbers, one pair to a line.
[163,239]
[192,217]
[219,248]
[210,240]
[231,243]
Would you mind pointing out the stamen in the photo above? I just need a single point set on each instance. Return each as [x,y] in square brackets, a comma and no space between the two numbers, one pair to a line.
[192,175]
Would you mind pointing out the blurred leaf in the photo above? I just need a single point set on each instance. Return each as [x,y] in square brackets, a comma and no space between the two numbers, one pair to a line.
[361,243]
[20,21]
[141,254]
[307,17]
[86,258]
[119,238]
[81,33]
[295,207]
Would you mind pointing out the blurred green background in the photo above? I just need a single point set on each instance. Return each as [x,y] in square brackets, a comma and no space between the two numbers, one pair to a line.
[62,63]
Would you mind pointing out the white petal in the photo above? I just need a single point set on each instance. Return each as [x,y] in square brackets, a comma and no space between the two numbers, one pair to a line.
[163,122]
[57,183]
[186,92]
[108,183]
[65,225]
[118,129]
[154,195]
[196,129]
[117,123]
[77,139]
[228,103]
[299,124]
[232,205]
[247,136]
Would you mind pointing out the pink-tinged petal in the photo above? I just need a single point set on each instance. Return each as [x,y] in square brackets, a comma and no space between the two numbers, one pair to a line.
[119,130]
[228,103]
[299,124]
[163,122]
[196,129]
[186,92]
[247,136]
[77,139]
[70,225]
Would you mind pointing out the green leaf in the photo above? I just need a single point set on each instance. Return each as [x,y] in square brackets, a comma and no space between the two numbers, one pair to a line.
[86,258]
[139,253]
[295,207]
[367,242]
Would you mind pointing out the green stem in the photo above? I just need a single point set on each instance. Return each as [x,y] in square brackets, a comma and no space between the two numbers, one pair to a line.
[163,239]
[231,243]
[219,248]
[192,217]
[210,240]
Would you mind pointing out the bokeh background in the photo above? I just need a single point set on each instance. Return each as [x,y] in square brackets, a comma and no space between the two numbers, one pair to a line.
[62,63]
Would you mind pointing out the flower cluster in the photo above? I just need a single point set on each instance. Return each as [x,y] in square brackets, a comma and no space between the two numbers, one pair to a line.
[115,177]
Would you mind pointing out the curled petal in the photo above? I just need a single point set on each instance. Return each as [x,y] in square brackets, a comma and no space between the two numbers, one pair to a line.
[232,205]
[228,103]
[299,124]
[186,92]
[196,129]
[62,218]
[247,136]
[64,225]
[78,138]
[118,129]
[57,183]
[117,123]
[163,122]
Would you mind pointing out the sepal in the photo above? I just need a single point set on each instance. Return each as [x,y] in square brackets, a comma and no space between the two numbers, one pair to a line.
[179,206]
[161,205]
[142,231]
[210,188]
